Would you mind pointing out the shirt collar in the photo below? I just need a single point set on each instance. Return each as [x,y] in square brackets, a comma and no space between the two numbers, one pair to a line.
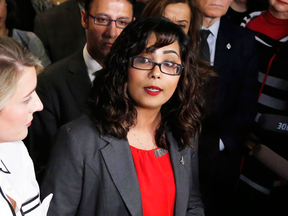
[214,28]
[92,65]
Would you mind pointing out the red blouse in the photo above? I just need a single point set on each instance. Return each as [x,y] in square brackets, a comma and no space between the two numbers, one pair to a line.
[156,180]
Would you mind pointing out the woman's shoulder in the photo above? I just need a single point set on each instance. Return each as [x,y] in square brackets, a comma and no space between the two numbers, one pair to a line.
[15,160]
[13,148]
[250,17]
[82,124]
[191,147]
[33,43]
[24,35]
[81,135]
[82,129]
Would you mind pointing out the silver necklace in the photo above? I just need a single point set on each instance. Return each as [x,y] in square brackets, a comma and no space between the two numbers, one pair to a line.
[138,140]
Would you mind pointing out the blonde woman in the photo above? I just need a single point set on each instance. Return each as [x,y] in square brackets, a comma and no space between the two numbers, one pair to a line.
[19,191]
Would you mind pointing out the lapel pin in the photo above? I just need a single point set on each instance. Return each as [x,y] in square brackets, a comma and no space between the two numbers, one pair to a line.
[228,46]
[182,161]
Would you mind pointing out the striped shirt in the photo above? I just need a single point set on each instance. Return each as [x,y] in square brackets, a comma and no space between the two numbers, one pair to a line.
[17,181]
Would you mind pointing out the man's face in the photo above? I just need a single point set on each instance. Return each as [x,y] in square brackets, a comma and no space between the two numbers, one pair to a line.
[214,8]
[100,38]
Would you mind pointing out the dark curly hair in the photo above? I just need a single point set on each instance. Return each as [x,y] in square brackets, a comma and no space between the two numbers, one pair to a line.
[112,109]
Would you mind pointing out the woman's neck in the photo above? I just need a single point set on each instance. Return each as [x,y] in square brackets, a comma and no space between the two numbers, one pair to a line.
[147,119]
[142,135]
[278,15]
[238,6]
[13,203]
[4,31]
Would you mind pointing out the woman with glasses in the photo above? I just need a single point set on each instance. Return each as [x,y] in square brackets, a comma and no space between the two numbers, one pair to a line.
[136,152]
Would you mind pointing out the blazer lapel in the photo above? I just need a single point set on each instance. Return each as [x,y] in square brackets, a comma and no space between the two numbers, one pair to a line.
[119,161]
[78,79]
[179,162]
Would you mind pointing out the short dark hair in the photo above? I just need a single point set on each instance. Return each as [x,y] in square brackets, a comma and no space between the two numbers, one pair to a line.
[89,2]
[112,109]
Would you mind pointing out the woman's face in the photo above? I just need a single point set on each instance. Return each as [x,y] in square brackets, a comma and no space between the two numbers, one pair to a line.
[16,116]
[180,14]
[3,13]
[279,6]
[150,89]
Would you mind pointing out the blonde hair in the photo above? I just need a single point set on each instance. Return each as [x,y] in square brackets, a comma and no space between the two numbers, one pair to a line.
[13,59]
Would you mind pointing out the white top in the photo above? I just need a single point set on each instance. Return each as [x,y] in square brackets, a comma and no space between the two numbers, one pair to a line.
[92,65]
[17,180]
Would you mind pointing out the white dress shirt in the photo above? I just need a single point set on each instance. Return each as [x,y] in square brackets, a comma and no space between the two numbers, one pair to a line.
[92,65]
[17,180]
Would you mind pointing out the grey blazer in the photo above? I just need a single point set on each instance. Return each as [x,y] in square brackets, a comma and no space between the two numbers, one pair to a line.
[94,175]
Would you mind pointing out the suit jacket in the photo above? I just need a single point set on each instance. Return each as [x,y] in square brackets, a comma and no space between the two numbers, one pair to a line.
[63,88]
[234,96]
[60,30]
[92,174]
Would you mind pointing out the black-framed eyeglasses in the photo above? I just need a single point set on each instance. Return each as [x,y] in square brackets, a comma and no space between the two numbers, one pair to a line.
[105,21]
[167,67]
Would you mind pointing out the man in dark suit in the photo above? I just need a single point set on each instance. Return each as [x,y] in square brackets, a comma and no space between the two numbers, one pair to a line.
[60,29]
[232,52]
[63,87]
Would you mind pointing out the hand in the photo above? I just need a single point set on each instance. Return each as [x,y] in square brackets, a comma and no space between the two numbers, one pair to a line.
[252,142]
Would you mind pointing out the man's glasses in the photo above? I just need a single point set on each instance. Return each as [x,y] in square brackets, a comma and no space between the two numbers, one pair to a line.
[167,67]
[104,21]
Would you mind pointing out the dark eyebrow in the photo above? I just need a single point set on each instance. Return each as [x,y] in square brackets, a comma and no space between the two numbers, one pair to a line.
[182,21]
[170,51]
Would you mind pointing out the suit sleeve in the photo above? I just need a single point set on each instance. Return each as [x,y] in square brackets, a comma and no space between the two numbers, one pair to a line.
[64,175]
[238,125]
[43,128]
[195,205]
[39,30]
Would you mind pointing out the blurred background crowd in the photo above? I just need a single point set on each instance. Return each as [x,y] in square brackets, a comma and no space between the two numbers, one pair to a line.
[241,49]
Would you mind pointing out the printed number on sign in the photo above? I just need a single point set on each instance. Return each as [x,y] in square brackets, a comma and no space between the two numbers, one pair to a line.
[282,126]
